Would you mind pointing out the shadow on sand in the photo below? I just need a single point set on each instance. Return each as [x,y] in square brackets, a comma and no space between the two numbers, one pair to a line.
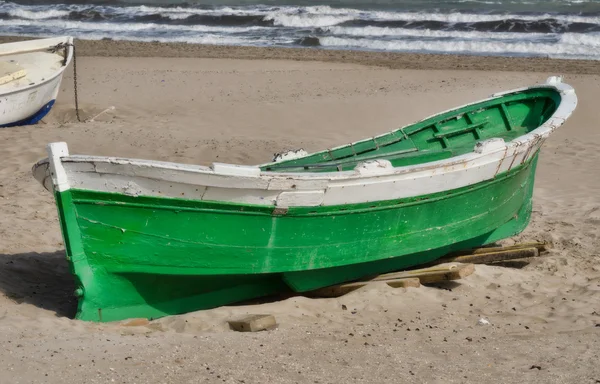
[41,279]
[44,280]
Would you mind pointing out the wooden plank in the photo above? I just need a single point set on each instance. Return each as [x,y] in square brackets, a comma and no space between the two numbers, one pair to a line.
[342,289]
[253,323]
[542,247]
[435,274]
[492,257]
[506,117]
[459,131]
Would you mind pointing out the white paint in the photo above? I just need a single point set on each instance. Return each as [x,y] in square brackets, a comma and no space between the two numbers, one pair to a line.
[369,182]
[300,199]
[23,97]
[490,145]
[282,184]
[374,167]
[133,186]
[240,195]
[289,155]
[236,170]
[56,151]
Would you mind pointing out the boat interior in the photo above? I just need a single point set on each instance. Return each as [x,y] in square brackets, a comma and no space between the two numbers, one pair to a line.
[440,137]
[20,70]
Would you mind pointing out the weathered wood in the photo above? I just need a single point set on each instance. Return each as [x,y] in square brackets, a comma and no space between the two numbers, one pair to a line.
[540,246]
[253,323]
[492,257]
[342,289]
[434,274]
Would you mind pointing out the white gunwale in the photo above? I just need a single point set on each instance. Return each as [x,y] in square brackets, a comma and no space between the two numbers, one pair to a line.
[247,185]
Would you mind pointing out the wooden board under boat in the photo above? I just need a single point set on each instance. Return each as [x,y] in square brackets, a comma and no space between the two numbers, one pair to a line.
[148,238]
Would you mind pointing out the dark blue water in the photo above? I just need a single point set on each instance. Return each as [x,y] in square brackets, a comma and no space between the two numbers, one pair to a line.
[551,28]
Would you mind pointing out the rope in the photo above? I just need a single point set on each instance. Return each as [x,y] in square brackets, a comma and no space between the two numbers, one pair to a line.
[75,81]
[65,46]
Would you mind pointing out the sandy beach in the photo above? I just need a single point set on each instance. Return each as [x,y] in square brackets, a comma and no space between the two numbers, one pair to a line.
[197,104]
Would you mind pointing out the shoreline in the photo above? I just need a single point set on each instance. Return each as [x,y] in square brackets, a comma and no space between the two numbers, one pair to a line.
[390,60]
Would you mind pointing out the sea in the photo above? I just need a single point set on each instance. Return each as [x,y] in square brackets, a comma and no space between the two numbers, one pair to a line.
[532,28]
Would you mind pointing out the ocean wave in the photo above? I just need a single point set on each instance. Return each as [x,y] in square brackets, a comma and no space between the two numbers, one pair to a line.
[292,15]
[428,33]
[586,40]
[507,25]
[83,26]
[32,15]
[461,46]
[306,21]
[502,33]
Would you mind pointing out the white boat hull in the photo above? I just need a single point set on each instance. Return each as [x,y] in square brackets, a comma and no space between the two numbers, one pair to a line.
[29,99]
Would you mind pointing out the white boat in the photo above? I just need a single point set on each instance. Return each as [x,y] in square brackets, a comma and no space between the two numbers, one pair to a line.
[30,76]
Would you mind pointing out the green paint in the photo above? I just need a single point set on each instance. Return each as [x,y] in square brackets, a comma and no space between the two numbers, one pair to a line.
[439,137]
[150,256]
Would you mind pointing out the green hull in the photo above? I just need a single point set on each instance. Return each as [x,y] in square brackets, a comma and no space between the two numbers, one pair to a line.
[151,256]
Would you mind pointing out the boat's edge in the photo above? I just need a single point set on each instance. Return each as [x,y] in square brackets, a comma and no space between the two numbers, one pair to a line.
[33,45]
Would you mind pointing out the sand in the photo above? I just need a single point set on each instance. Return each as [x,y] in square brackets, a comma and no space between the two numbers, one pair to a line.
[543,317]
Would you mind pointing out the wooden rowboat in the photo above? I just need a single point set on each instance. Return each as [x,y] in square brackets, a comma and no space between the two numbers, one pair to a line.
[30,76]
[148,238]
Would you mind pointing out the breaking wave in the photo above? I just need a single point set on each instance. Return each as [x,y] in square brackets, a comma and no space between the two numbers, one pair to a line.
[556,34]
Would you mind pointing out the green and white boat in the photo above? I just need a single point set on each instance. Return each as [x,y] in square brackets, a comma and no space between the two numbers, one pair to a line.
[149,239]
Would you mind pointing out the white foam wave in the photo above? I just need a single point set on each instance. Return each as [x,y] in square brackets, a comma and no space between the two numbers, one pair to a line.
[465,46]
[457,17]
[33,15]
[175,11]
[109,28]
[428,33]
[292,16]
[306,21]
[589,40]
